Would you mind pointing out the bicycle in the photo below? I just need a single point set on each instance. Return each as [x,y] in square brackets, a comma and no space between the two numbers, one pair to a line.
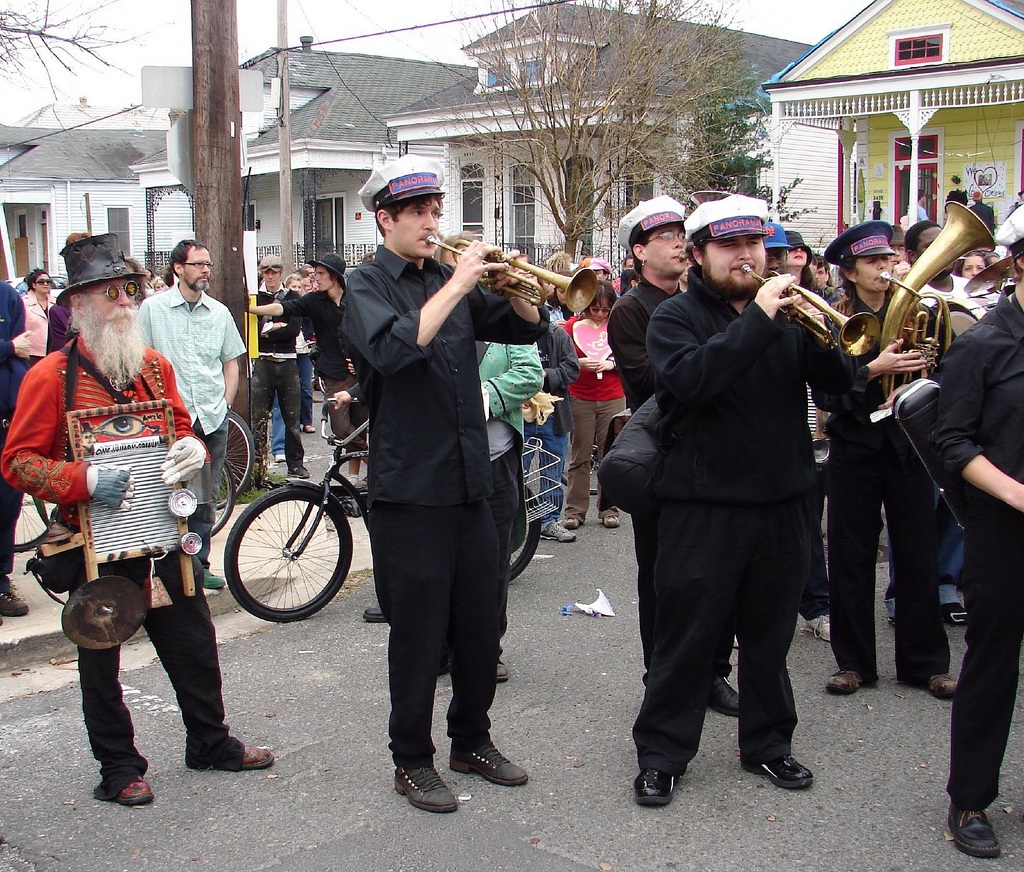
[241,452]
[32,523]
[538,462]
[290,551]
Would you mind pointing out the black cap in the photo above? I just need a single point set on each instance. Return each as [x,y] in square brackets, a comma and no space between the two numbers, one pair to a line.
[333,263]
[862,240]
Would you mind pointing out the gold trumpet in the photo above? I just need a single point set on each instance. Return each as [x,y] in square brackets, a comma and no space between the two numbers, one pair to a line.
[580,288]
[858,333]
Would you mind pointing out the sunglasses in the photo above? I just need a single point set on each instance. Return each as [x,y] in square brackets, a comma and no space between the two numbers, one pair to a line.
[600,308]
[43,282]
[113,292]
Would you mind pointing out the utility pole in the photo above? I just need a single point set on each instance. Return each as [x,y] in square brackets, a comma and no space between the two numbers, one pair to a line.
[284,140]
[217,154]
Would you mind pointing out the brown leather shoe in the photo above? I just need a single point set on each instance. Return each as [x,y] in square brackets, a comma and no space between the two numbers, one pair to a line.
[844,683]
[257,758]
[137,793]
[942,686]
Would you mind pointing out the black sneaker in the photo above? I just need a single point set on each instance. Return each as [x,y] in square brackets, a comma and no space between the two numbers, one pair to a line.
[298,472]
[425,789]
[972,832]
[954,614]
[12,605]
[784,771]
[489,762]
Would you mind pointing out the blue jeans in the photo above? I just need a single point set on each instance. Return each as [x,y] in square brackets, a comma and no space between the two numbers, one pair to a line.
[201,521]
[305,389]
[551,480]
[276,430]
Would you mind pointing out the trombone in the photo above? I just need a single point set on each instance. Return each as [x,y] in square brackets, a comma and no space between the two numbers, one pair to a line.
[579,289]
[858,333]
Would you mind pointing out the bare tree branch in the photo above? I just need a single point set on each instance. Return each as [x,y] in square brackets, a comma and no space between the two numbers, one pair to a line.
[598,100]
[65,36]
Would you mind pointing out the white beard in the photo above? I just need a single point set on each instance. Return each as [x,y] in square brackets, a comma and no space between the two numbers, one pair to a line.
[114,343]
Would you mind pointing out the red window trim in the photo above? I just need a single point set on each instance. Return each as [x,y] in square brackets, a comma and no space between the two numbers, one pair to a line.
[929,56]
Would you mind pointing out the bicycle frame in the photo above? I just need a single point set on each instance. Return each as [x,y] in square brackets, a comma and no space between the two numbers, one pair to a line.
[352,501]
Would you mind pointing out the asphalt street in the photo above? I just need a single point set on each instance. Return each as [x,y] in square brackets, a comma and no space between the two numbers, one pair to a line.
[316,691]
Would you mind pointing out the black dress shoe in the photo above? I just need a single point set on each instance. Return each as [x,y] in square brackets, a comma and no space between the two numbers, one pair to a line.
[374,615]
[784,771]
[653,787]
[972,832]
[722,698]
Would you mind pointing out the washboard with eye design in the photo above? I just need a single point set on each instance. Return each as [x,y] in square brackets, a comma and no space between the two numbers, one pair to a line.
[133,436]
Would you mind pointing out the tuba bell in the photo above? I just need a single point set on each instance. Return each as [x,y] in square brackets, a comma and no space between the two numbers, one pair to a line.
[908,318]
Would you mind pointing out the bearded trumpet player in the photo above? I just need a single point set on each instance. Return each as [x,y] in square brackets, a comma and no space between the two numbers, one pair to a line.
[735,520]
[872,465]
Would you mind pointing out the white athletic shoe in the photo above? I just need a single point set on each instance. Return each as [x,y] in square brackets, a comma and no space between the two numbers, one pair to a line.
[820,627]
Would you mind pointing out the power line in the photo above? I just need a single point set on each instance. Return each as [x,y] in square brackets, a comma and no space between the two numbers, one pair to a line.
[73,127]
[414,27]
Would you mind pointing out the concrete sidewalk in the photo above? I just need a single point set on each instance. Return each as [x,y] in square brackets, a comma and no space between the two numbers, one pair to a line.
[38,635]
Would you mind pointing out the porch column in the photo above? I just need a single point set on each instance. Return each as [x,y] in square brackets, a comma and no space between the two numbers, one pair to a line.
[844,212]
[776,134]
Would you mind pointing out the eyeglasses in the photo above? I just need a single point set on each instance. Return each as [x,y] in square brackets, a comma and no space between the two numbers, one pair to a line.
[113,292]
[200,264]
[670,236]
[600,308]
[43,282]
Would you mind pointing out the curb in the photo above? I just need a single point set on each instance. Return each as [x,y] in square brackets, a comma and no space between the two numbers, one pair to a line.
[52,644]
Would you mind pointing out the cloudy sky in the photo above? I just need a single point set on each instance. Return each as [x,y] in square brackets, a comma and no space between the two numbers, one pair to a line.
[161,37]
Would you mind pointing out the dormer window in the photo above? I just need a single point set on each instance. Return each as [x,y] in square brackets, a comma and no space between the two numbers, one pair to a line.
[920,46]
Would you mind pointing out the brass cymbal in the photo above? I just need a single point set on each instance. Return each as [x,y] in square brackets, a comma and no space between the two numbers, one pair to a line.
[104,613]
[992,277]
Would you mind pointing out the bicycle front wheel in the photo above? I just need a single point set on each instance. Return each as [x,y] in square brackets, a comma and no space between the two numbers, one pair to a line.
[285,559]
[522,556]
[32,523]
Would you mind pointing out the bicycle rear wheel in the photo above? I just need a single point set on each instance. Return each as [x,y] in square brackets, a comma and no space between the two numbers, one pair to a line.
[285,560]
[522,556]
[225,500]
[241,452]
[32,523]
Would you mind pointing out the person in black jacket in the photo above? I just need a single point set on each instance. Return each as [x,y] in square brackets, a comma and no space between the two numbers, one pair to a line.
[654,233]
[871,465]
[978,435]
[735,518]
[275,371]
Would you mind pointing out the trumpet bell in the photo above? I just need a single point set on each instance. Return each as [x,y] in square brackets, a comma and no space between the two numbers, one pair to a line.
[860,334]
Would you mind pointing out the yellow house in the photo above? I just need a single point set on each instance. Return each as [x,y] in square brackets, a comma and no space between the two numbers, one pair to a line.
[917,91]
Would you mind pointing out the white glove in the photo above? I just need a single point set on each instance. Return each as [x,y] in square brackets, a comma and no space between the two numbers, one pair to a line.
[185,458]
[112,487]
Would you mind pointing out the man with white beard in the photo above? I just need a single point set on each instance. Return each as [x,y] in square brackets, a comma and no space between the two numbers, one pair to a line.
[197,334]
[109,364]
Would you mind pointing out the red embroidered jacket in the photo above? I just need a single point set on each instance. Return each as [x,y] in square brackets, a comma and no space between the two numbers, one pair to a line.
[35,456]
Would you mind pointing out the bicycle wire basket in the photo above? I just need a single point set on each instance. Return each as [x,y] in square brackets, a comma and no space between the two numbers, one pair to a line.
[542,490]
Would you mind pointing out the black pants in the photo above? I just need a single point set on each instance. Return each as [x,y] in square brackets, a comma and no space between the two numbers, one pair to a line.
[712,559]
[814,601]
[280,377]
[504,504]
[645,546]
[186,643]
[858,488]
[436,575]
[987,691]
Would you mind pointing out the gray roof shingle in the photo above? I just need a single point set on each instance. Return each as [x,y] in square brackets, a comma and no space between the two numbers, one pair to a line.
[77,154]
[359,91]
